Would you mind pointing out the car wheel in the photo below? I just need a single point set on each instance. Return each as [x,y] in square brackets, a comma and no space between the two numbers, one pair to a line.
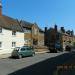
[20,56]
[33,54]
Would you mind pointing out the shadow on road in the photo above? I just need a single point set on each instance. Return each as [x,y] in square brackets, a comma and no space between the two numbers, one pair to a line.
[46,67]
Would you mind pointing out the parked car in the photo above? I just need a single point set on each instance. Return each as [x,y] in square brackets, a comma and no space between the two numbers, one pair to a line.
[54,47]
[23,51]
[58,47]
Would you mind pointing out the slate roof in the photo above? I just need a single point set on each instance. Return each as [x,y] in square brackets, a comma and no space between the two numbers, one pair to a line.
[25,24]
[13,24]
[10,23]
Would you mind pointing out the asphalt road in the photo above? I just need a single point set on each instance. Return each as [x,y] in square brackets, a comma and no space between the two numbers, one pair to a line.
[40,64]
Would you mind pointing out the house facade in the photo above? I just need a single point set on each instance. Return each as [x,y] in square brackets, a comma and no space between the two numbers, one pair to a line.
[33,35]
[11,34]
[67,39]
[41,38]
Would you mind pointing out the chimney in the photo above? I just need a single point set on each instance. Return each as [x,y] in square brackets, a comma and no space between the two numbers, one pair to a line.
[0,8]
[45,29]
[55,27]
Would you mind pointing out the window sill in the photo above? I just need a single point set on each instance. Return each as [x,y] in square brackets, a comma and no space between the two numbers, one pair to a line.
[12,47]
[13,35]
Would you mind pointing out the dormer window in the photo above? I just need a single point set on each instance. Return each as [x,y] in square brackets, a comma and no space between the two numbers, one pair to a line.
[0,29]
[13,32]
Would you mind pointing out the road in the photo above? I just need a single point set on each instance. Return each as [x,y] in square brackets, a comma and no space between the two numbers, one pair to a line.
[40,64]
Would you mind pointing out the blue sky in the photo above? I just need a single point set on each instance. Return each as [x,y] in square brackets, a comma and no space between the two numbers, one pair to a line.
[43,12]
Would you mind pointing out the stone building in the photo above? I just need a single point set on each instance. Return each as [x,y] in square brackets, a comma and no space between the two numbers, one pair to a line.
[33,35]
[53,35]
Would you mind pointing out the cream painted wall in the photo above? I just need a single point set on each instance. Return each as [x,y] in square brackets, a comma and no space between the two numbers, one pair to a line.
[6,38]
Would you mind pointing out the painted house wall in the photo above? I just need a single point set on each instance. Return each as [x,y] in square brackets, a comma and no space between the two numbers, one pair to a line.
[28,38]
[7,38]
[41,39]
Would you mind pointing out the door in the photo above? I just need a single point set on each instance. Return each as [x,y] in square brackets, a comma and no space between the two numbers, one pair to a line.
[23,51]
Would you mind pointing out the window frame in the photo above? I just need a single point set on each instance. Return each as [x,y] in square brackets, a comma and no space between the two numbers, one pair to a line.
[13,44]
[0,44]
[13,33]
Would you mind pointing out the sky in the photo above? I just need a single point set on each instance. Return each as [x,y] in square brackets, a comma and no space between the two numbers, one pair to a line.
[46,13]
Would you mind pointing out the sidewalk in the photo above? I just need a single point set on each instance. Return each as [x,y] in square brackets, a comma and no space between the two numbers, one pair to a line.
[2,56]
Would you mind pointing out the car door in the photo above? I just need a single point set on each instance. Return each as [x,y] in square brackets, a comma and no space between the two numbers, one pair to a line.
[23,51]
[29,51]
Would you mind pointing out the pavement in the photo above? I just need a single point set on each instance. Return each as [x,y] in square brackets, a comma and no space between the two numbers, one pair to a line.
[2,56]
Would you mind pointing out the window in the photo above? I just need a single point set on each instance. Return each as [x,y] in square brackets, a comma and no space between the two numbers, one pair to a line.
[57,36]
[13,44]
[13,32]
[35,42]
[23,49]
[0,44]
[27,30]
[64,40]
[0,29]
[35,31]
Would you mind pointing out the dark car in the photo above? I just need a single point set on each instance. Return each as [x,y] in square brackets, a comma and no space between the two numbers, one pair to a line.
[68,48]
[57,46]
[52,48]
[23,51]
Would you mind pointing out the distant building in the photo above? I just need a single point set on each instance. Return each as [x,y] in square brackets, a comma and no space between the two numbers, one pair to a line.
[53,36]
[66,39]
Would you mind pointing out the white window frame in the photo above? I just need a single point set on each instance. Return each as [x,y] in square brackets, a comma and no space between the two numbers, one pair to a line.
[13,44]
[13,33]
